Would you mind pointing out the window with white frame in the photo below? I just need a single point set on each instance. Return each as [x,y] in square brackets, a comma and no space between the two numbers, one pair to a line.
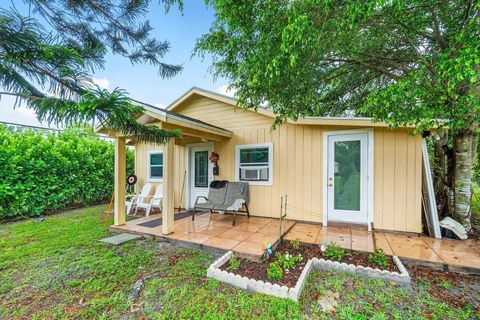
[155,166]
[255,163]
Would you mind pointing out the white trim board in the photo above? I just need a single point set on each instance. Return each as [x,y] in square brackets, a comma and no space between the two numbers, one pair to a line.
[370,172]
[187,167]
[269,145]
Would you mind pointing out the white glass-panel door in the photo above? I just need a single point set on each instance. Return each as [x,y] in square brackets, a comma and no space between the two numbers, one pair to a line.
[347,191]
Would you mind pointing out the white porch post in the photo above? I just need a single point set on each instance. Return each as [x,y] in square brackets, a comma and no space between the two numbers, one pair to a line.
[168,194]
[120,177]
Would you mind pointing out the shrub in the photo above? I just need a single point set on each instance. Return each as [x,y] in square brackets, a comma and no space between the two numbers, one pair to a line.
[234,263]
[40,172]
[378,258]
[334,252]
[287,261]
[295,244]
[274,271]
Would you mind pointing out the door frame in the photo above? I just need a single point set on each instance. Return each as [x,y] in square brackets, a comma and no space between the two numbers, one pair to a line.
[370,171]
[188,157]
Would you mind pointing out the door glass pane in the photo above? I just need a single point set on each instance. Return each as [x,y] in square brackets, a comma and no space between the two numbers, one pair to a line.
[347,175]
[201,169]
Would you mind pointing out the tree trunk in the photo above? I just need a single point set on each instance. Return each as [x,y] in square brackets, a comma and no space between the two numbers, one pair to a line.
[440,171]
[463,176]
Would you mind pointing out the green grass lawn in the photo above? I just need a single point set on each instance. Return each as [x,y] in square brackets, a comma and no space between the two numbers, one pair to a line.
[56,269]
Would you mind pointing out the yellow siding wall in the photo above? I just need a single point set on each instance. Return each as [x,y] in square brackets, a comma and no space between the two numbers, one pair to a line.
[298,165]
[141,165]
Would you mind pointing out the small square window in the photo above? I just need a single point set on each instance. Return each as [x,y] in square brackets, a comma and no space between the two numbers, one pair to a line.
[254,163]
[155,166]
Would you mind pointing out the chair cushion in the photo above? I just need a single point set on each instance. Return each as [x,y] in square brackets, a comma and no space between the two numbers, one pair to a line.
[217,195]
[236,190]
[205,205]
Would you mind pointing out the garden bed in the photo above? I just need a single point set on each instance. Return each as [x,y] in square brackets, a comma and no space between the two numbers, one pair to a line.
[258,270]
[285,272]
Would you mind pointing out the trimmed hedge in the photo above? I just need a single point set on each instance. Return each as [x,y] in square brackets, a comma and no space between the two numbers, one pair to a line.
[41,173]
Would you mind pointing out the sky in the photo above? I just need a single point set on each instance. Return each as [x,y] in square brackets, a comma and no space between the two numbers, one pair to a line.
[142,81]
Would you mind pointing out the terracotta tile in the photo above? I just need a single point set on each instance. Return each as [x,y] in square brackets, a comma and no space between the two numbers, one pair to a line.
[176,234]
[404,239]
[252,248]
[258,220]
[270,229]
[245,226]
[213,231]
[221,243]
[384,246]
[379,236]
[344,242]
[235,234]
[419,252]
[451,245]
[336,231]
[363,245]
[303,236]
[361,234]
[299,227]
[195,237]
[465,259]
[261,238]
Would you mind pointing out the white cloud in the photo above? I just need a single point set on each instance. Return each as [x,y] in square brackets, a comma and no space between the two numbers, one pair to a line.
[103,83]
[226,91]
[160,105]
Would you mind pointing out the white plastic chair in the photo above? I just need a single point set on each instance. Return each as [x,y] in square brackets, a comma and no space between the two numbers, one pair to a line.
[133,200]
[155,201]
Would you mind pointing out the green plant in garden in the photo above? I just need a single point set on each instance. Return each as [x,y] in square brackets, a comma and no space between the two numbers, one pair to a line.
[234,263]
[48,172]
[287,261]
[274,271]
[378,258]
[334,252]
[295,244]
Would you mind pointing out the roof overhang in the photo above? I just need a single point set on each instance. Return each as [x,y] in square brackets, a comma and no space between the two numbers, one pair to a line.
[324,121]
[154,115]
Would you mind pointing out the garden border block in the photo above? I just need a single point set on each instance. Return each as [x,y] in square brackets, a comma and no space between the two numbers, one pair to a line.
[268,288]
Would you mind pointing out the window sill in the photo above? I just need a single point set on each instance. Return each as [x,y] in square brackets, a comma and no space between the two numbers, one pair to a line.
[155,180]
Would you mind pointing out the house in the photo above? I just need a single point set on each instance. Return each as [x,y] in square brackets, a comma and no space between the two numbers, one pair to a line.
[332,169]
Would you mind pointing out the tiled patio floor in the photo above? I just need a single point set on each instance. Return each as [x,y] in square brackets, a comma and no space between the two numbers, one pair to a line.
[463,253]
[216,231]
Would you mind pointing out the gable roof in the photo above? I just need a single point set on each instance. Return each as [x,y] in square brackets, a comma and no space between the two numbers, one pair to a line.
[173,117]
[334,121]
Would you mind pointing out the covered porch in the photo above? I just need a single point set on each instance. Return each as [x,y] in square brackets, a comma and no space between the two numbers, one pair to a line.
[214,231]
[193,132]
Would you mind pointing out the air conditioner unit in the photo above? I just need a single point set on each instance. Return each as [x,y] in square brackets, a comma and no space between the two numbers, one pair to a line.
[254,174]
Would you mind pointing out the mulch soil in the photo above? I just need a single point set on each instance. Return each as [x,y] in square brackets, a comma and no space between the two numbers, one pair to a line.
[455,289]
[258,270]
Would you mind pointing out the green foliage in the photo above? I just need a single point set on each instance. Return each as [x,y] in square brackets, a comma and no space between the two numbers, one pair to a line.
[295,244]
[334,252]
[51,71]
[403,62]
[378,258]
[287,261]
[234,263]
[274,271]
[41,173]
